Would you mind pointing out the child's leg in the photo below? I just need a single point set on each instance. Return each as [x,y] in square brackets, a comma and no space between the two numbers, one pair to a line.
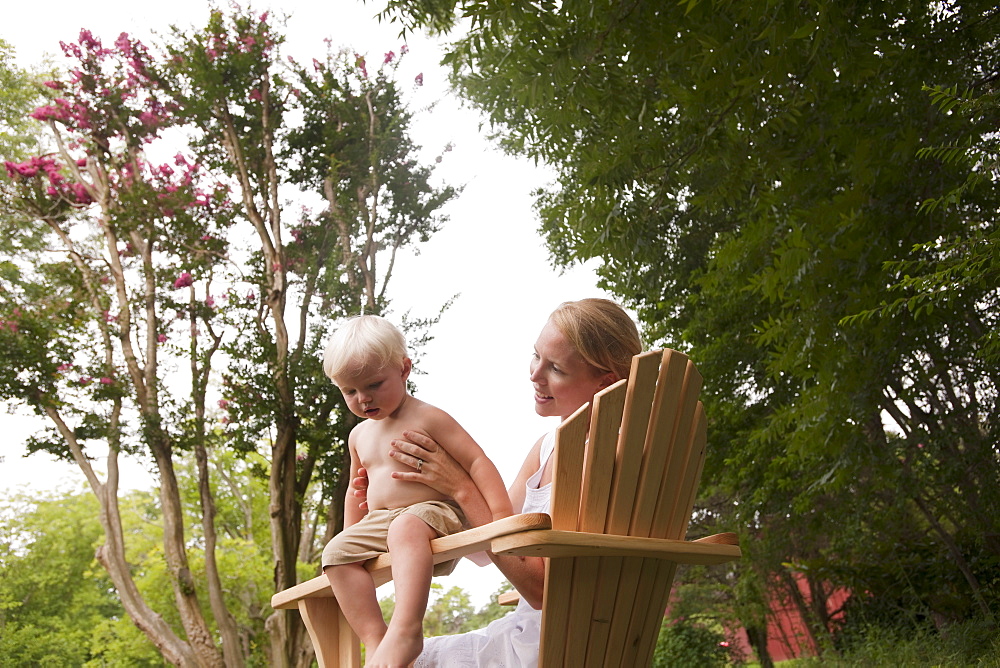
[355,591]
[412,565]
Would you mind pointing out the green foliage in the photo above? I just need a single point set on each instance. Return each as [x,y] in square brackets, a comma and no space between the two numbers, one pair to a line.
[167,310]
[18,96]
[687,644]
[947,270]
[751,175]
[56,600]
[967,644]
[450,611]
[52,592]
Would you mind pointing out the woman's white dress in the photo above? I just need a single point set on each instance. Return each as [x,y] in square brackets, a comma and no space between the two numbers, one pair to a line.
[508,642]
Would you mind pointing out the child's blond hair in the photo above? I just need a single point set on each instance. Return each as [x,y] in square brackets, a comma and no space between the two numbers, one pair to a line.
[364,342]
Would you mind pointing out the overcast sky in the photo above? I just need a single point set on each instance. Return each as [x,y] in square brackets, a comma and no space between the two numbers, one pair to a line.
[476,368]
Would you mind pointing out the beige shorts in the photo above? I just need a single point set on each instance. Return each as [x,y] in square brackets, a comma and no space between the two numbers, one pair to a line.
[368,538]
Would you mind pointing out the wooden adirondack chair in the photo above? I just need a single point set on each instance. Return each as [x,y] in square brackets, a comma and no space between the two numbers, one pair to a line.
[624,483]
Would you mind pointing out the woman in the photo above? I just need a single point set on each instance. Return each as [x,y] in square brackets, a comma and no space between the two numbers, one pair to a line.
[584,347]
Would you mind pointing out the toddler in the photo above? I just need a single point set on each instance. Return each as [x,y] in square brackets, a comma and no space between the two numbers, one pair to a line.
[367,360]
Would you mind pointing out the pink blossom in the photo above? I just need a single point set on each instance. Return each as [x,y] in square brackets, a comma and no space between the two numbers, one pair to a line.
[85,380]
[149,119]
[419,79]
[106,381]
[54,85]
[256,95]
[403,50]
[161,338]
[359,62]
[210,301]
[26,169]
[263,17]
[81,194]
[389,56]
[184,280]
[65,366]
[57,112]
[223,404]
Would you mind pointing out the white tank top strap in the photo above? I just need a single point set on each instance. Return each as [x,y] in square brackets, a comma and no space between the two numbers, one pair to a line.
[537,498]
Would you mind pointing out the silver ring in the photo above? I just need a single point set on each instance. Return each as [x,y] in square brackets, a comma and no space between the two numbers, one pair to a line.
[420,465]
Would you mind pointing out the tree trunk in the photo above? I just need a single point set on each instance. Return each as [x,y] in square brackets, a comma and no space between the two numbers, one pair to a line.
[287,630]
[185,594]
[757,636]
[232,651]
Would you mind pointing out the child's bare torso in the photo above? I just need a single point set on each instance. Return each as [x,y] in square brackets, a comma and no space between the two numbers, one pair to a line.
[372,444]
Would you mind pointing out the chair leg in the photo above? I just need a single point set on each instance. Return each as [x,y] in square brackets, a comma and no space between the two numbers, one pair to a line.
[335,643]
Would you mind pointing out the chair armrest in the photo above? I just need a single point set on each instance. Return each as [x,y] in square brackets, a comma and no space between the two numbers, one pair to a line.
[509,598]
[551,543]
[444,549]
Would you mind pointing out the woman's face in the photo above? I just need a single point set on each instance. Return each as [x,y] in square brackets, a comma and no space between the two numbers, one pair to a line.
[562,379]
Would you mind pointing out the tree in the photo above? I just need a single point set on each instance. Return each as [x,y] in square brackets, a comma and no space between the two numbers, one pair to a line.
[51,594]
[57,602]
[18,97]
[128,284]
[749,174]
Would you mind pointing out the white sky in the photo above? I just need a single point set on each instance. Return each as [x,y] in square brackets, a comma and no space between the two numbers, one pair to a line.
[489,251]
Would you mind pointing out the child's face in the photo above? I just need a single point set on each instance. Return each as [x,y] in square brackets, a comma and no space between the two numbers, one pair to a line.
[375,394]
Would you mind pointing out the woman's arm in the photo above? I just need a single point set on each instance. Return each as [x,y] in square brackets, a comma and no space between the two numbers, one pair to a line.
[441,472]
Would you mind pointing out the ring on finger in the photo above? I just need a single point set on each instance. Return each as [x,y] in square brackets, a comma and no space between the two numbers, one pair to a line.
[420,464]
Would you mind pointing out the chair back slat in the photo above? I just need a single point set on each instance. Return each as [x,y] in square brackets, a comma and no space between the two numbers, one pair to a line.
[567,470]
[663,424]
[688,490]
[599,464]
[673,509]
[635,421]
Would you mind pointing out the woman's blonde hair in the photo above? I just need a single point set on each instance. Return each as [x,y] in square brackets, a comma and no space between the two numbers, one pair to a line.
[601,331]
[364,342]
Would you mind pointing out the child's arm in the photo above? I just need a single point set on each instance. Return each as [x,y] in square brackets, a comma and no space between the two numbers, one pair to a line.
[452,437]
[352,512]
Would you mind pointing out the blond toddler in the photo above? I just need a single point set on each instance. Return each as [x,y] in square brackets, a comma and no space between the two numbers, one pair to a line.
[367,359]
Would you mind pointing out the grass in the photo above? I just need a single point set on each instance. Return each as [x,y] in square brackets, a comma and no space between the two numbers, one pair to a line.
[972,644]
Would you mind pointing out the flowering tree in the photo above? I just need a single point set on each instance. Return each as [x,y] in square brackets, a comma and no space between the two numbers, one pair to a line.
[135,267]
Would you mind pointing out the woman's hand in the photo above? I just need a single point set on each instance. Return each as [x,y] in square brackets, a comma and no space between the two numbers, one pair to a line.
[431,464]
[360,485]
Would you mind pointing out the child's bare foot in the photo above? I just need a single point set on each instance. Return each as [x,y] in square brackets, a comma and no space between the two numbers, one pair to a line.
[398,649]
